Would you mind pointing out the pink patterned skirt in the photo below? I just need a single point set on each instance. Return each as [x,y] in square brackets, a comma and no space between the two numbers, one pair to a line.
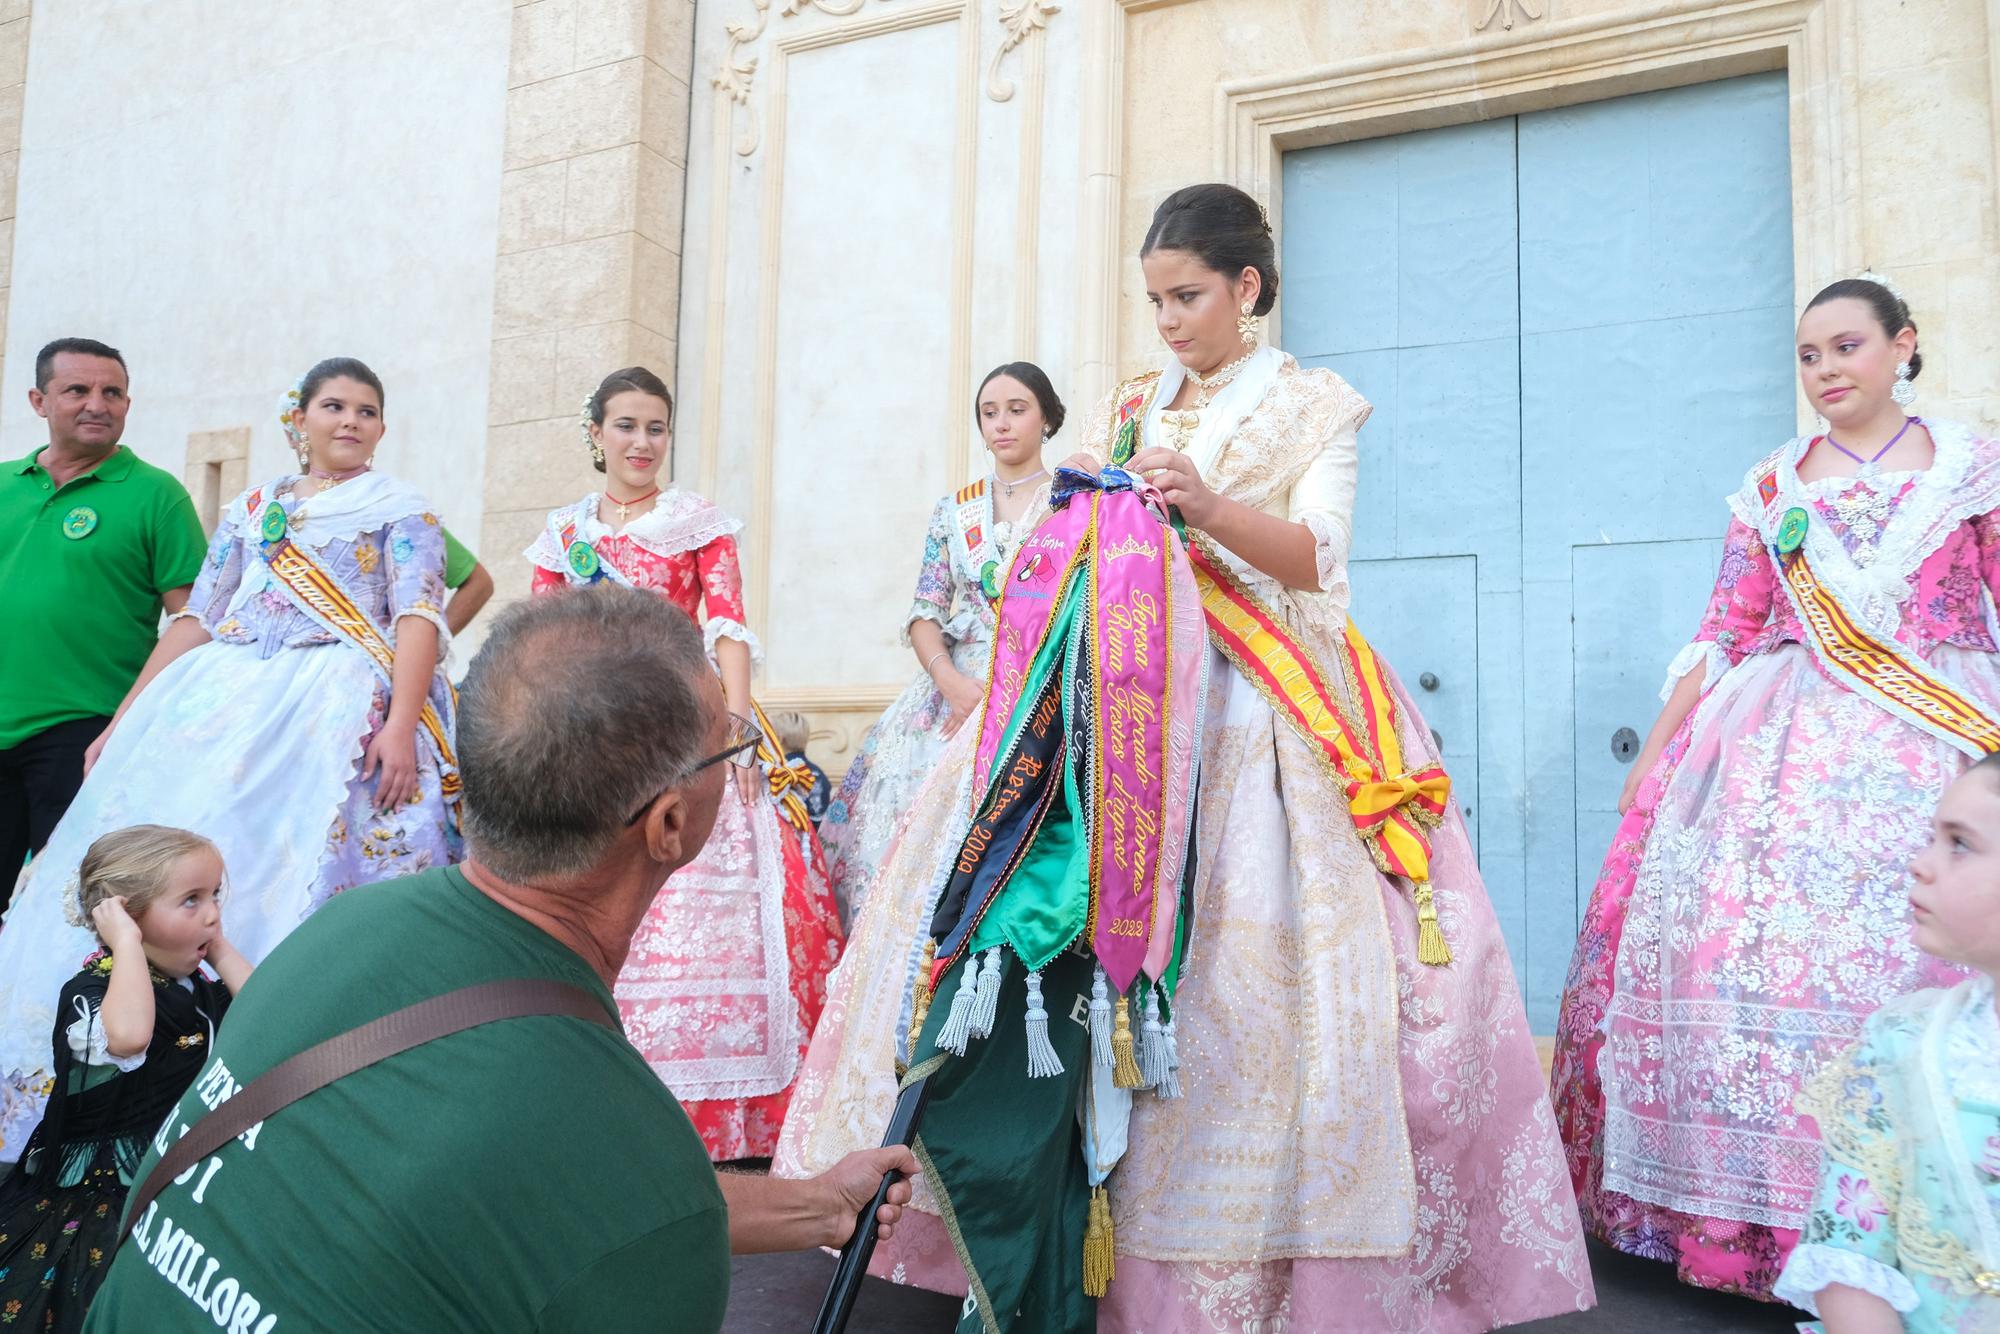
[1751,914]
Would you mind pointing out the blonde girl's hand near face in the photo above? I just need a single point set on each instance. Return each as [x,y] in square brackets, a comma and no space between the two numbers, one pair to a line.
[127,1011]
[228,963]
[116,928]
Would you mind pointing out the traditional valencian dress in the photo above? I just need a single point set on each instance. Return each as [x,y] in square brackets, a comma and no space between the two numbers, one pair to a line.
[1908,1201]
[1358,1131]
[728,970]
[1752,913]
[59,1213]
[255,740]
[966,551]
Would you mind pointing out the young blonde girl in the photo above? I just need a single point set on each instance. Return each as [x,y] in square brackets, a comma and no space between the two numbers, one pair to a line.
[133,1029]
[1904,1232]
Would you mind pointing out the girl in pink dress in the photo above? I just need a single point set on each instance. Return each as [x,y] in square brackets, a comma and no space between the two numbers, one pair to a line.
[1751,913]
[727,973]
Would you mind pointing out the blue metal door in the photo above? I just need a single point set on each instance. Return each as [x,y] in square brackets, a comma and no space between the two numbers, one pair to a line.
[1574,327]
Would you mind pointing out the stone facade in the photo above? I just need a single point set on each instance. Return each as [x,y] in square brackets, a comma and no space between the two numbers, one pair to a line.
[588,269]
[845,210]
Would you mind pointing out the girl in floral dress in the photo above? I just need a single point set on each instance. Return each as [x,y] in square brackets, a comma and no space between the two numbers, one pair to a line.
[295,712]
[1750,915]
[970,542]
[727,973]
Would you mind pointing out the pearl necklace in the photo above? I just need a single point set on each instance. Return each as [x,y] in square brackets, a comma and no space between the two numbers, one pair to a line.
[1207,385]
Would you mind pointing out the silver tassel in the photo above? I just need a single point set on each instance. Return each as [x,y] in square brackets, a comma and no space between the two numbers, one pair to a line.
[988,1008]
[958,1024]
[1042,1059]
[1100,1020]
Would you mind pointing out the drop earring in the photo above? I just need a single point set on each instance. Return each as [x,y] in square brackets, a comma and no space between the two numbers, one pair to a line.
[1246,326]
[1905,390]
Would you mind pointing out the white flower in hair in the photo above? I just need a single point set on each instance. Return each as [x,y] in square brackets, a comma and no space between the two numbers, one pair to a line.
[291,402]
[73,902]
[1870,276]
[583,422]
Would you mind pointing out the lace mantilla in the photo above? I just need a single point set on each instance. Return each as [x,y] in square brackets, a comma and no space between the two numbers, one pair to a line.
[679,521]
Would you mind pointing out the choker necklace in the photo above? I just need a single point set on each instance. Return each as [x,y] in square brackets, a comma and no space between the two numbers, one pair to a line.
[625,506]
[328,480]
[1868,468]
[1207,385]
[1018,481]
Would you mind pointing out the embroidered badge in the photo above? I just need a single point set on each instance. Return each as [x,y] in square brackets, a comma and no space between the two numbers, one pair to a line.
[1037,568]
[583,559]
[274,522]
[1767,487]
[1791,531]
[79,523]
[989,580]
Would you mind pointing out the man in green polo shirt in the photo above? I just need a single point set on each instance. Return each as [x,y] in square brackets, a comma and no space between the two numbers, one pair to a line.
[94,544]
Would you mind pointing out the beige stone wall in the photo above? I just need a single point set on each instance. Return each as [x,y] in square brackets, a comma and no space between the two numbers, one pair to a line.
[588,276]
[1894,145]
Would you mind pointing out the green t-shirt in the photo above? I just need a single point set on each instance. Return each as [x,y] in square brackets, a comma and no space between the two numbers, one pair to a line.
[526,1175]
[458,561]
[82,567]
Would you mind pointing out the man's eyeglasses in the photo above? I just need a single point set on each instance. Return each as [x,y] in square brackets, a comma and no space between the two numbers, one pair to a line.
[744,737]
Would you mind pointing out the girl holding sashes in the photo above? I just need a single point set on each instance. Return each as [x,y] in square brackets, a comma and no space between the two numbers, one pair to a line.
[1356,1122]
[1751,913]
[727,973]
[294,713]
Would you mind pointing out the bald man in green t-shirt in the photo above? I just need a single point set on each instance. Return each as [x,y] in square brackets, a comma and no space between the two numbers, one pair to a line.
[528,1174]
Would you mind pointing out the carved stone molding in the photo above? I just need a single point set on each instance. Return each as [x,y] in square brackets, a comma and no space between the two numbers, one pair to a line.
[737,72]
[1505,13]
[1022,20]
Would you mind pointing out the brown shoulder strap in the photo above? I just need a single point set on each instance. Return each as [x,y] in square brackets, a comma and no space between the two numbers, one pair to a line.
[344,1053]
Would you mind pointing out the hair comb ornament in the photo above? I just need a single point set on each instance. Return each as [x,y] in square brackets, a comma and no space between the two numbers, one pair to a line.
[1870,276]
[583,425]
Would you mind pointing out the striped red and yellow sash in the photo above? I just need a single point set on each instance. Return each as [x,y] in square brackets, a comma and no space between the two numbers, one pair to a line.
[787,782]
[1882,669]
[1393,808]
[320,596]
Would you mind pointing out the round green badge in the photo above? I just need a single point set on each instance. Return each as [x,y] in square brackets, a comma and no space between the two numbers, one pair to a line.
[1791,531]
[79,523]
[583,559]
[274,521]
[989,580]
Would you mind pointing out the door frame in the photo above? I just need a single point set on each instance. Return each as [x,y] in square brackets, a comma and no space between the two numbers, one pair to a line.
[1663,45]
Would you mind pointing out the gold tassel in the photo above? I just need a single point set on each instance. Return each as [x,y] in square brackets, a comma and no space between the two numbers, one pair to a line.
[920,1003]
[1100,1256]
[1124,1069]
[1431,946]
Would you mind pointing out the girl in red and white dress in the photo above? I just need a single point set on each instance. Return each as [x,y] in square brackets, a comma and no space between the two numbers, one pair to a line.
[727,973]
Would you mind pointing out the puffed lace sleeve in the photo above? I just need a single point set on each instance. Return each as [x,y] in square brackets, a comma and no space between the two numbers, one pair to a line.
[87,1043]
[1745,586]
[414,545]
[1323,497]
[221,572]
[721,573]
[934,590]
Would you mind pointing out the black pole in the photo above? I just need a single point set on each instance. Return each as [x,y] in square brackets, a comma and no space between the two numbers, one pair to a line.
[860,1248]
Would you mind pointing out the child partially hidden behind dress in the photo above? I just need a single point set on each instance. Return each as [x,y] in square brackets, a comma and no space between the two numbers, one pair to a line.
[133,1029]
[1904,1233]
